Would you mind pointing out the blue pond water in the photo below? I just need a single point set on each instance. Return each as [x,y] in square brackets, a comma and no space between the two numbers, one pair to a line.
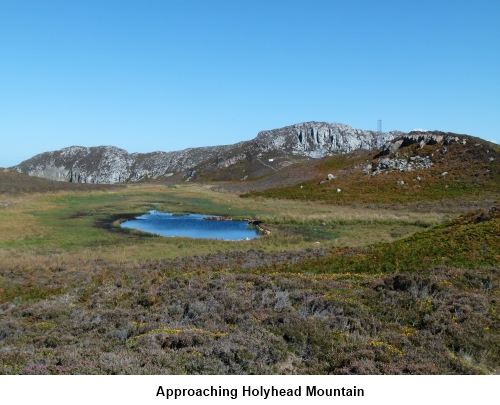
[192,226]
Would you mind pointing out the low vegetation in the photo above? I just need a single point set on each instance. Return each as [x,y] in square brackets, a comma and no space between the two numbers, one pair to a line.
[375,279]
[461,174]
[259,313]
[61,226]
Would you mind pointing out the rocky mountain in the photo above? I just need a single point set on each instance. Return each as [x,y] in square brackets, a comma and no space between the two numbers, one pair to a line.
[320,139]
[270,151]
[417,167]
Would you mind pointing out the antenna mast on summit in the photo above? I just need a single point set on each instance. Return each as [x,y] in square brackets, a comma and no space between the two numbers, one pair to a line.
[379,130]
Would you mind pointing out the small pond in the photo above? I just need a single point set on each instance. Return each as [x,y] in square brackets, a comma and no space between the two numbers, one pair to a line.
[192,226]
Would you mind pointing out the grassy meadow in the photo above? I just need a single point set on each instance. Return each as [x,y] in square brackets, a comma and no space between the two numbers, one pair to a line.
[87,225]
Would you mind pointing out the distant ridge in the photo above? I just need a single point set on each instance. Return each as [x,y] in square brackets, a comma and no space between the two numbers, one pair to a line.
[270,150]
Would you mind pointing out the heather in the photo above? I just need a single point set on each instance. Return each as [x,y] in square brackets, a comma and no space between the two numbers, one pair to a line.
[255,312]
[396,273]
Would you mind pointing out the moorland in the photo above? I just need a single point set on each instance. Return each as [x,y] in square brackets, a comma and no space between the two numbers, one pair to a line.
[391,273]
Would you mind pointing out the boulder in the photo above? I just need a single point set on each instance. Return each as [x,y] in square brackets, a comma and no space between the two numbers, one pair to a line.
[406,140]
[391,147]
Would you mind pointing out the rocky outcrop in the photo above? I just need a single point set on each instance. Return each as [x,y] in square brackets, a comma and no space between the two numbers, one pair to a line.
[110,165]
[231,161]
[401,165]
[319,139]
[394,162]
[104,164]
[422,138]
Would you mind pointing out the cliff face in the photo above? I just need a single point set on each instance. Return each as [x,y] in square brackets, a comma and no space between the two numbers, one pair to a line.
[319,139]
[103,164]
[108,164]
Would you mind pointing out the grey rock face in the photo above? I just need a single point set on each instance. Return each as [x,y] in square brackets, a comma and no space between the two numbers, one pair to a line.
[403,165]
[410,139]
[319,139]
[392,147]
[422,138]
[104,164]
[108,164]
[231,161]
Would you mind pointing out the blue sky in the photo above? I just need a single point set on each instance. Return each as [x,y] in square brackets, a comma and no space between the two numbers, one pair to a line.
[167,75]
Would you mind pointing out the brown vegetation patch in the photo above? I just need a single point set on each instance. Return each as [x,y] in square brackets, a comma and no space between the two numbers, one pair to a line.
[254,312]
[468,172]
[157,319]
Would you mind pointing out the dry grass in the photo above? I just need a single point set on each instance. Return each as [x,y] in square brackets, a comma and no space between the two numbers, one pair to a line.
[58,227]
[275,210]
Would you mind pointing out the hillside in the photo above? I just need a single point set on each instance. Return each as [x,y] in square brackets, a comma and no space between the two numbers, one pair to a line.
[416,167]
[270,151]
[13,183]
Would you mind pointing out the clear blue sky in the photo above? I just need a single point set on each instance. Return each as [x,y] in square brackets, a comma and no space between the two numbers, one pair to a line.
[167,75]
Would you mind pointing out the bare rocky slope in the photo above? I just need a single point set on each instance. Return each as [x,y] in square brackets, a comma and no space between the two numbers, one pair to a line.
[270,151]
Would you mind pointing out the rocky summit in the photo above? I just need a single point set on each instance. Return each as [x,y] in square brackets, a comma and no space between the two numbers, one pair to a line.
[320,139]
[270,151]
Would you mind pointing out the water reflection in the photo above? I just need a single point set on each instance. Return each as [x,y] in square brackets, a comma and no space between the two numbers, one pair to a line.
[192,226]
